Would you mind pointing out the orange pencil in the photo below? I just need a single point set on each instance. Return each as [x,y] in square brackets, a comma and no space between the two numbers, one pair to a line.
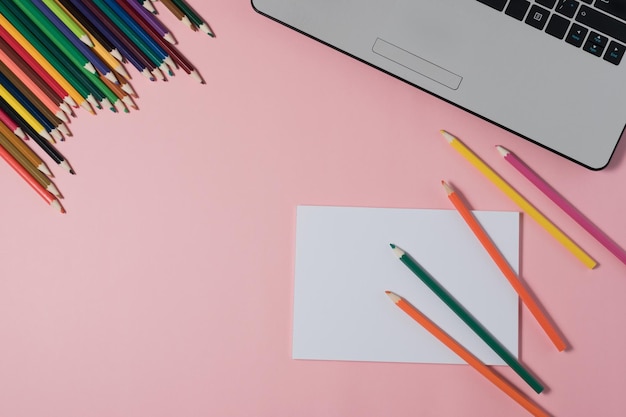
[504,266]
[464,354]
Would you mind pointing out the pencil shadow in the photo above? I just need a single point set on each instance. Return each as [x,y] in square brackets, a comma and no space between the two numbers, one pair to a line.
[568,347]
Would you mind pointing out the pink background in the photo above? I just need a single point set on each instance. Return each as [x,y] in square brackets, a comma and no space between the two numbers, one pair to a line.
[166,290]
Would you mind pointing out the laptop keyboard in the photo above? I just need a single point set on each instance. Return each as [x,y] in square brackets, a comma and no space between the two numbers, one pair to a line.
[595,26]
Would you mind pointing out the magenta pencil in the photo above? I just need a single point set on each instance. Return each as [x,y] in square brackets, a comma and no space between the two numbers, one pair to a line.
[565,205]
[10,123]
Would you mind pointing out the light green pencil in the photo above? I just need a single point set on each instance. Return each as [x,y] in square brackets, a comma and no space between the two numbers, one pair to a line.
[69,22]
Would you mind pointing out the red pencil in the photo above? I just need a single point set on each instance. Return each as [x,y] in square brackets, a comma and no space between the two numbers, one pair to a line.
[19,49]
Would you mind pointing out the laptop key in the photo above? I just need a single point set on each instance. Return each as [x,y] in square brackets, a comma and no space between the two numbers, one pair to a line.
[546,3]
[567,7]
[614,53]
[616,8]
[517,9]
[557,26]
[601,22]
[537,17]
[576,35]
[593,48]
[496,4]
[598,39]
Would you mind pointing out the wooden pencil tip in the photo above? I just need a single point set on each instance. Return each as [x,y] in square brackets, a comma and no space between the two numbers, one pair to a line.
[447,135]
[394,297]
[447,187]
[502,150]
[396,250]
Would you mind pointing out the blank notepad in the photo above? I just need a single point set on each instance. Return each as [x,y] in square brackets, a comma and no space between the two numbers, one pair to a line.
[344,265]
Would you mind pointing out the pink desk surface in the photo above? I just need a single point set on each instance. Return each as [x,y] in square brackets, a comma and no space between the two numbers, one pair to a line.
[166,290]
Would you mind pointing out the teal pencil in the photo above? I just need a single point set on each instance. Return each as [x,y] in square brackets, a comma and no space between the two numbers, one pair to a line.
[468,319]
[194,17]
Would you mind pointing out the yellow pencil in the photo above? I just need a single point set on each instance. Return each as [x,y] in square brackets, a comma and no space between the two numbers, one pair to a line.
[21,110]
[526,207]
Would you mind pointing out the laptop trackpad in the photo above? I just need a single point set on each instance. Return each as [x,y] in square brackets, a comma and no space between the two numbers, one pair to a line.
[417,64]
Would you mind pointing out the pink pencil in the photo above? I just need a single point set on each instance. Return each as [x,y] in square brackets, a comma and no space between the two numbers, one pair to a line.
[6,119]
[566,206]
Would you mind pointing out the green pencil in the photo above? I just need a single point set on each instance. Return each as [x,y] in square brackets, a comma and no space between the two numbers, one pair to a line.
[468,319]
[69,22]
[88,85]
[52,33]
[193,17]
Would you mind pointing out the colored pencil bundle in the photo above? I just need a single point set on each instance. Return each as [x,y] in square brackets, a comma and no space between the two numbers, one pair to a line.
[59,55]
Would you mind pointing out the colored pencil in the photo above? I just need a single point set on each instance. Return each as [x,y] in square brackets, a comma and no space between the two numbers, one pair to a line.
[46,195]
[24,113]
[101,49]
[467,318]
[80,46]
[565,205]
[194,17]
[467,356]
[44,144]
[524,204]
[61,13]
[505,268]
[178,58]
[34,84]
[88,26]
[137,39]
[22,41]
[121,10]
[24,149]
[39,176]
[129,50]
[147,4]
[179,14]
[11,124]
[82,76]
[33,105]
[151,20]
[30,14]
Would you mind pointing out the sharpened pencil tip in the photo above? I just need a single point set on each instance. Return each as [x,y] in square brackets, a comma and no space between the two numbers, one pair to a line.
[447,135]
[393,296]
[503,151]
[72,172]
[396,250]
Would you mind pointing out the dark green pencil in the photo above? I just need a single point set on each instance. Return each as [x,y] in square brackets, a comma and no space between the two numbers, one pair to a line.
[468,319]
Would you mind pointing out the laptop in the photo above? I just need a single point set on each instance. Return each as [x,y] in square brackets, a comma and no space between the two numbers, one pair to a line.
[550,71]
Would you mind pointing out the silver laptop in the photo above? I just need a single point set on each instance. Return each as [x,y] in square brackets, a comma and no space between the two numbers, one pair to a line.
[550,71]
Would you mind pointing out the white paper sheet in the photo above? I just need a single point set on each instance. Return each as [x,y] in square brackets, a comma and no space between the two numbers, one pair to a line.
[344,265]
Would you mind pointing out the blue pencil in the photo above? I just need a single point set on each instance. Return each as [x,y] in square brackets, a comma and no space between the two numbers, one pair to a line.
[131,25]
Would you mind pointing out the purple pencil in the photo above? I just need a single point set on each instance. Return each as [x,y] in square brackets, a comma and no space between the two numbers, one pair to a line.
[151,20]
[565,205]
